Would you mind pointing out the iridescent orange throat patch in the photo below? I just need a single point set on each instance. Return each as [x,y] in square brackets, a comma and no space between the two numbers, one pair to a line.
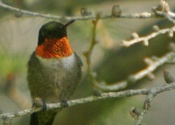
[54,48]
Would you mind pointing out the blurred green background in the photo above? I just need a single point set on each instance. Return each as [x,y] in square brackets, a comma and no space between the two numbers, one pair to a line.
[112,62]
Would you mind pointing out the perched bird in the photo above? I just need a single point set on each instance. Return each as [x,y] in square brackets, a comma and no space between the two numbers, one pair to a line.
[54,70]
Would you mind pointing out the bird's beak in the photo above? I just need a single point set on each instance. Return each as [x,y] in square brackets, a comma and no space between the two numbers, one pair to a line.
[67,24]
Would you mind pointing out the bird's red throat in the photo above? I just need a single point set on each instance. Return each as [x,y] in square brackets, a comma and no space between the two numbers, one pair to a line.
[54,48]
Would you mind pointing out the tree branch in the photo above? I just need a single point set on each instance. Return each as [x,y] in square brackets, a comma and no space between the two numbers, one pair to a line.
[88,53]
[127,93]
[162,10]
[145,39]
[153,65]
[87,17]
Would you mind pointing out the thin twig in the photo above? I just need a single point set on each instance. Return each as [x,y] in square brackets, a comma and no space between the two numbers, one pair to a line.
[88,17]
[141,117]
[147,105]
[128,43]
[108,95]
[162,10]
[170,16]
[88,53]
[139,75]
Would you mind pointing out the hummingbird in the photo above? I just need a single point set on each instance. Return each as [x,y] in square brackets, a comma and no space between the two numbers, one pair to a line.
[54,70]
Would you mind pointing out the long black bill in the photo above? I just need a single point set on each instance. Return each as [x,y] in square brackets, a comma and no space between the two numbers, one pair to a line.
[67,24]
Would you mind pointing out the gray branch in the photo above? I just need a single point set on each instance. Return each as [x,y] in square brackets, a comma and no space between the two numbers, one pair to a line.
[87,17]
[145,39]
[154,91]
[152,66]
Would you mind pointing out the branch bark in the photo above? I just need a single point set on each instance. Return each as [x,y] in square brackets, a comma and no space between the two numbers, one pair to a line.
[87,17]
[137,76]
[127,93]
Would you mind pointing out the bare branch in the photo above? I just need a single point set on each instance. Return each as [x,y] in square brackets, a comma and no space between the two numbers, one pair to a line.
[169,16]
[88,53]
[148,37]
[139,75]
[86,17]
[162,10]
[127,93]
[147,105]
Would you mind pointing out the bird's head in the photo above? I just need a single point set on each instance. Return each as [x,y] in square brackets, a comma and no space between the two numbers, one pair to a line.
[52,41]
[52,30]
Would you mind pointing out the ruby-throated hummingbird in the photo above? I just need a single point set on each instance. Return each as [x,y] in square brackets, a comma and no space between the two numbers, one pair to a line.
[54,70]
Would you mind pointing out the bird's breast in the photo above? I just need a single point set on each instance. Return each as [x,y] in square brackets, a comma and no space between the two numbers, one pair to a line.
[53,79]
[60,71]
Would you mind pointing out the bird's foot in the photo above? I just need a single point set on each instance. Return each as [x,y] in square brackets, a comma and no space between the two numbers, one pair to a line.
[38,103]
[44,105]
[64,103]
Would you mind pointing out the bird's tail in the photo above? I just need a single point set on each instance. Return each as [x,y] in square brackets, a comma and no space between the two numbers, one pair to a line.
[42,118]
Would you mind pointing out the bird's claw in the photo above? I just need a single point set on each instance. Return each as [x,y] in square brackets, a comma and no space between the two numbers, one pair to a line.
[38,103]
[64,103]
[44,105]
